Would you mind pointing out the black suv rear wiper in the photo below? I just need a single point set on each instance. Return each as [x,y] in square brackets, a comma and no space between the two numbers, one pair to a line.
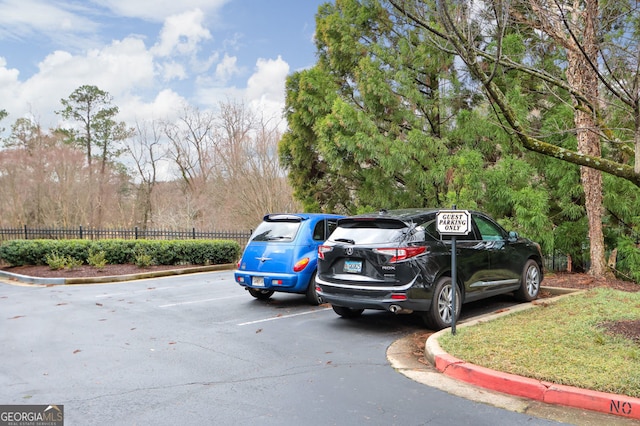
[345,240]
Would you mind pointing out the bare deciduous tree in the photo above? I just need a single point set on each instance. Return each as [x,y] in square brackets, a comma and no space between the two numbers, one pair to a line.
[228,164]
[192,147]
[248,148]
[147,151]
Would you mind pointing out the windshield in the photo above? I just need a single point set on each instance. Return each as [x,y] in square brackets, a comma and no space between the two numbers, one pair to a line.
[276,231]
[369,232]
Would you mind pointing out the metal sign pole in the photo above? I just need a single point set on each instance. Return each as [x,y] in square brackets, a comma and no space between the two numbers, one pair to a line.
[454,278]
[453,222]
[453,284]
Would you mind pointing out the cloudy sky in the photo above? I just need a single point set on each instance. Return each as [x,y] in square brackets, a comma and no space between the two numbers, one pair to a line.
[152,56]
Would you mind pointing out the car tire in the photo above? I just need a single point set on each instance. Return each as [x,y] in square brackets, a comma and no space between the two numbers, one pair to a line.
[529,282]
[347,312]
[260,294]
[311,294]
[439,316]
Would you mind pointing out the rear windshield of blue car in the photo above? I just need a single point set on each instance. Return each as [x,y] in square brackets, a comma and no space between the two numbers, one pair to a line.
[283,231]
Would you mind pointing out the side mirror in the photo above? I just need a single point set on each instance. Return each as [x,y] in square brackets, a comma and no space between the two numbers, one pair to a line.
[513,236]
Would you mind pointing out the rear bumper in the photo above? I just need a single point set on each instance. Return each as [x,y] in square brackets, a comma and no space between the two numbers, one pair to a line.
[380,298]
[291,283]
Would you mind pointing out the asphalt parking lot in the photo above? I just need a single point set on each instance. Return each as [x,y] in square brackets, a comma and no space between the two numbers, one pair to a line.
[197,349]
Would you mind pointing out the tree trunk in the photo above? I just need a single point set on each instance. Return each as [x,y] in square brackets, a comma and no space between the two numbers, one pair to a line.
[582,76]
[592,183]
[636,139]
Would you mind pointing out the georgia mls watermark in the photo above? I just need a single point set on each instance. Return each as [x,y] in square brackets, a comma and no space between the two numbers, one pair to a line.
[31,415]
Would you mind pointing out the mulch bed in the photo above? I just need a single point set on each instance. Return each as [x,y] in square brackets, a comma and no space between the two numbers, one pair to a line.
[585,282]
[83,271]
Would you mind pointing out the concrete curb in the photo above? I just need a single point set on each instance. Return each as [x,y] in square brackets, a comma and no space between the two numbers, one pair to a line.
[550,393]
[114,278]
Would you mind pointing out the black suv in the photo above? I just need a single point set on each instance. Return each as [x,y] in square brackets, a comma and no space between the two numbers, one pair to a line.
[397,261]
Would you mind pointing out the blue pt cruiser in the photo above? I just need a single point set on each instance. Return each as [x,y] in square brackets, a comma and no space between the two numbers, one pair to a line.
[282,254]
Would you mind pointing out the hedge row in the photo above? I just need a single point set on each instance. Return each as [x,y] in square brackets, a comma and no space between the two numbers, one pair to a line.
[116,251]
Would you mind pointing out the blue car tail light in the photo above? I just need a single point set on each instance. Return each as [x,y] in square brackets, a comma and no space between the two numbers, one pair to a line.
[301,264]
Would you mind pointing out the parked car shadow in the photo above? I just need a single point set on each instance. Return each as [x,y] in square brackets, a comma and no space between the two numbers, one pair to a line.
[385,322]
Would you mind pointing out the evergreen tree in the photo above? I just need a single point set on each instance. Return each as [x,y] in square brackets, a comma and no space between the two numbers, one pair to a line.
[595,52]
[383,121]
[92,109]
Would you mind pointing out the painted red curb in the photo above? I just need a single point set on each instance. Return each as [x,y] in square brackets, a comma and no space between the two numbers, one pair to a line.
[444,360]
[619,405]
[525,387]
[496,380]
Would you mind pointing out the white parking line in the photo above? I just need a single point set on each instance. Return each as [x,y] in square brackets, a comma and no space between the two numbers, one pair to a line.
[198,301]
[282,317]
[145,290]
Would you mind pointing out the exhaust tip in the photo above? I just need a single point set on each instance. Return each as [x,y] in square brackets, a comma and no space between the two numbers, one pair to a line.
[397,309]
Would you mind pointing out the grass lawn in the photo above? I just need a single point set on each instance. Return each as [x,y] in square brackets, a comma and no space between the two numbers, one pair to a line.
[564,342]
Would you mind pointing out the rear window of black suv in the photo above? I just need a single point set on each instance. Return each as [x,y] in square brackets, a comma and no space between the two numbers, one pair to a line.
[376,231]
[360,231]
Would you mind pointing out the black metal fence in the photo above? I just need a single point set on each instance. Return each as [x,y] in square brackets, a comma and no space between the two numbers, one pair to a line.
[26,233]
[555,262]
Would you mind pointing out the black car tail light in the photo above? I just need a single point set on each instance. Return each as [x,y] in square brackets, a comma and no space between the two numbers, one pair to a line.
[400,253]
[322,250]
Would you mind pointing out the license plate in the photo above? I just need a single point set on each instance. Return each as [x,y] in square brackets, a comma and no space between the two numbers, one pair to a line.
[353,266]
[257,281]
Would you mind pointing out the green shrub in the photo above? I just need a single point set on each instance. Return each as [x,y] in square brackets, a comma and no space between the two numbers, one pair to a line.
[57,261]
[143,259]
[628,259]
[76,249]
[27,252]
[96,259]
[117,251]
[114,251]
[73,263]
[151,252]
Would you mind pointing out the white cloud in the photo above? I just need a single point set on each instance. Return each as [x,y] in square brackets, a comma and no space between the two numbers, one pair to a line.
[144,80]
[227,68]
[119,68]
[267,84]
[116,68]
[233,43]
[158,10]
[172,70]
[210,96]
[265,87]
[19,18]
[167,105]
[182,34]
[9,88]
[8,76]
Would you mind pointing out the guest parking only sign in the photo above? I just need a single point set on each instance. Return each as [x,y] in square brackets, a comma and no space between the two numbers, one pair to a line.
[454,222]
